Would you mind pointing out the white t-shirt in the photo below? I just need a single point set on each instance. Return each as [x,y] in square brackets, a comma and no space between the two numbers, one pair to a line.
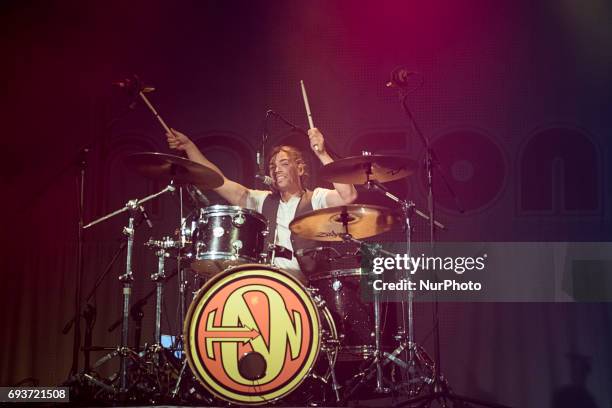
[284,216]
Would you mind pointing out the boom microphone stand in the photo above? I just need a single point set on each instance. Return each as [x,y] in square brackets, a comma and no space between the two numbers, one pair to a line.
[438,389]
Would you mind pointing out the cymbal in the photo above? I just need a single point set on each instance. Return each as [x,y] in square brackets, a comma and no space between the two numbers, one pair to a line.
[166,167]
[328,224]
[353,170]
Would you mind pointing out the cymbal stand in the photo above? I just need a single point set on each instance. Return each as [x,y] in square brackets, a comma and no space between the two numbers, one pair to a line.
[126,279]
[377,363]
[132,207]
[181,271]
[159,278]
[406,338]
[182,297]
[182,294]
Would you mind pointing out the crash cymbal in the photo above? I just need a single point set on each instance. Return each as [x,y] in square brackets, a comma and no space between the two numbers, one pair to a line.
[166,167]
[354,170]
[329,224]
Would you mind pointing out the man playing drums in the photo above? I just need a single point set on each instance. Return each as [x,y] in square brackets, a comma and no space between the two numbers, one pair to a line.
[289,197]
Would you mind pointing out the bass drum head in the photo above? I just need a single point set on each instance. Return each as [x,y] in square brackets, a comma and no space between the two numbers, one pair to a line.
[252,334]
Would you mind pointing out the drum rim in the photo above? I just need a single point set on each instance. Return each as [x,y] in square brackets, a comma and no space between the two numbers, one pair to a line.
[230,210]
[223,256]
[337,273]
[236,268]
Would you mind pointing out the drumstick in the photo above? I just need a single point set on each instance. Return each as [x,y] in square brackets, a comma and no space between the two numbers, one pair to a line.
[308,112]
[146,101]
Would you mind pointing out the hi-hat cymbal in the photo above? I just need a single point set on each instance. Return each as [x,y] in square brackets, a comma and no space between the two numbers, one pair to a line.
[382,168]
[330,224]
[166,167]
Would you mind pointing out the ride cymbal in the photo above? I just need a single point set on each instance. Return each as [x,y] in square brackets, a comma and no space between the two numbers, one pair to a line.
[355,169]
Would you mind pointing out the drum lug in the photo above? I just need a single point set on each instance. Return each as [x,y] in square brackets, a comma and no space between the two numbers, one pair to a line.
[238,220]
[314,292]
[237,245]
[318,300]
[336,285]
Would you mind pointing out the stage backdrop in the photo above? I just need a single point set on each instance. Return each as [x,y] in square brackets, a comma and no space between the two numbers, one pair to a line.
[513,97]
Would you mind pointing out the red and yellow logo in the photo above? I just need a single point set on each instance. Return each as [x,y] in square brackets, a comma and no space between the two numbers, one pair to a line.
[252,308]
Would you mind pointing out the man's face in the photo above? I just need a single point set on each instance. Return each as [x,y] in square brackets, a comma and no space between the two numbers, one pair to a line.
[285,172]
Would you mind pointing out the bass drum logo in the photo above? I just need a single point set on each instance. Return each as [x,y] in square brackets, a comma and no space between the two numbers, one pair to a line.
[252,309]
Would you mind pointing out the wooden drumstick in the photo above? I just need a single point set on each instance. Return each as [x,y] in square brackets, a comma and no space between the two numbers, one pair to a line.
[159,118]
[308,112]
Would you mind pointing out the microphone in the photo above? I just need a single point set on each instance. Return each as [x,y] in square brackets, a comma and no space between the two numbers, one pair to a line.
[399,78]
[267,180]
[197,196]
[307,251]
[260,175]
[145,216]
[133,85]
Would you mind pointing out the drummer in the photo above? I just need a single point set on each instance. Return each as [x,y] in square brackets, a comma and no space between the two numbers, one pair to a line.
[287,199]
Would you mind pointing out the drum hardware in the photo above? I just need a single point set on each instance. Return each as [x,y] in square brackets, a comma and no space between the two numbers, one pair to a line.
[133,310]
[339,223]
[177,386]
[405,338]
[159,277]
[371,170]
[132,207]
[279,251]
[375,185]
[438,388]
[165,243]
[198,198]
[99,383]
[89,314]
[178,170]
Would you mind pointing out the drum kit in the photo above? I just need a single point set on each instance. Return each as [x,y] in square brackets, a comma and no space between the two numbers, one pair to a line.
[253,334]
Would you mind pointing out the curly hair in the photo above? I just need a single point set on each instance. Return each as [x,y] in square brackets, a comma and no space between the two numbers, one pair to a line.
[296,156]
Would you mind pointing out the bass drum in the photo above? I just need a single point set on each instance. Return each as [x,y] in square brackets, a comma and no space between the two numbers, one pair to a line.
[253,334]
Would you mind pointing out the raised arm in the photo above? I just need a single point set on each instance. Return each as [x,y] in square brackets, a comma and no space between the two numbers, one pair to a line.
[344,193]
[234,193]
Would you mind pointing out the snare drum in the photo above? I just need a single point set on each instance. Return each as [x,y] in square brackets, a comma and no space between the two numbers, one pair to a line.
[225,236]
[253,334]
